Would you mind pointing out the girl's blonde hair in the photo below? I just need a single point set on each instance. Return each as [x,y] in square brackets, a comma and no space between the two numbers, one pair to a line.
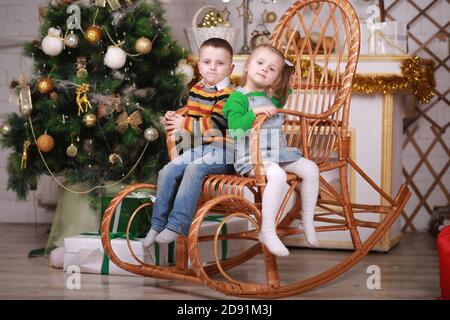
[279,89]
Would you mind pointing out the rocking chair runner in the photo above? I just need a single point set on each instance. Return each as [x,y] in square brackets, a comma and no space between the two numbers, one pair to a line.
[317,114]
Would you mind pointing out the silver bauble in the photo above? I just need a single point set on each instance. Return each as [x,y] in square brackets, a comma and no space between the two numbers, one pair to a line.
[5,129]
[72,40]
[151,134]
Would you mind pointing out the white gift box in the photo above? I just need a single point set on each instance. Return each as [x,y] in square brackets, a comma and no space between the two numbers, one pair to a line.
[384,38]
[86,251]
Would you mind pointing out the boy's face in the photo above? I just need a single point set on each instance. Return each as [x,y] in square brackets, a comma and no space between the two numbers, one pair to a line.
[214,65]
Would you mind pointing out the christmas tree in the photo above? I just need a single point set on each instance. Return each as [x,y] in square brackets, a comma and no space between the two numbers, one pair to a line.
[104,73]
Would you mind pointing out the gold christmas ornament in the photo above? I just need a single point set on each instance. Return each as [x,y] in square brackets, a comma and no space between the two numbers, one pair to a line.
[151,134]
[271,17]
[212,19]
[89,120]
[143,45]
[45,142]
[72,150]
[5,129]
[93,34]
[82,98]
[44,85]
[23,162]
[124,121]
[114,158]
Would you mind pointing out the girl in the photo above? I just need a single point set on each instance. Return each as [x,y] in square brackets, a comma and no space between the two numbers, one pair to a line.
[265,72]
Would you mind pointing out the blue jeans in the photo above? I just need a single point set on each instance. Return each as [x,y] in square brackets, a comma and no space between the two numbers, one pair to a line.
[180,184]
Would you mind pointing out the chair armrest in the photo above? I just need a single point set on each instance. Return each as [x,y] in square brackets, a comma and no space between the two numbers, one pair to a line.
[255,152]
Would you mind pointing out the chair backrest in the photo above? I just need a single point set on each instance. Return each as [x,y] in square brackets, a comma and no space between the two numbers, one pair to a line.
[322,39]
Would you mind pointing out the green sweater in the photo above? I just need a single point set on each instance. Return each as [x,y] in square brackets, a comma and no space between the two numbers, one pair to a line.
[237,113]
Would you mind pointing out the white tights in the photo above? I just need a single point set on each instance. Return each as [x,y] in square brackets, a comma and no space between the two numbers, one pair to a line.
[274,193]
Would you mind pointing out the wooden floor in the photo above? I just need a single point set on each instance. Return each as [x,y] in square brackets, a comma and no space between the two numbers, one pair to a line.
[408,271]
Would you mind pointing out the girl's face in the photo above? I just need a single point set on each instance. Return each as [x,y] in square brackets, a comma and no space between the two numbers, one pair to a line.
[263,69]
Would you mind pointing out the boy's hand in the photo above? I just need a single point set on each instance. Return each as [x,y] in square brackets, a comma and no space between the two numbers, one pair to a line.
[267,110]
[169,114]
[174,122]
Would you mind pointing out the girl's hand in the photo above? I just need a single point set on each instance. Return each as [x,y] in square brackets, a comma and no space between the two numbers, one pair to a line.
[174,122]
[267,110]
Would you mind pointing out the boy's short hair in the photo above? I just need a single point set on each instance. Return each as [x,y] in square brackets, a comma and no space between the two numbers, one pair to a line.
[218,43]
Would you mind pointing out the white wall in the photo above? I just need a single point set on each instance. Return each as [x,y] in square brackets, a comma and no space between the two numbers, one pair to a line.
[19,20]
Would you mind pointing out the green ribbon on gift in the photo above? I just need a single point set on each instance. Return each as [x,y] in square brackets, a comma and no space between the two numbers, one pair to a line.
[124,210]
[112,235]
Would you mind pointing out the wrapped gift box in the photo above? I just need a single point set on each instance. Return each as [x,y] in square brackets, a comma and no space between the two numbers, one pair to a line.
[384,38]
[86,250]
[141,222]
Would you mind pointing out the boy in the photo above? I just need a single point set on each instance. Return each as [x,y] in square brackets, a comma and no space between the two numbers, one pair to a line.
[180,181]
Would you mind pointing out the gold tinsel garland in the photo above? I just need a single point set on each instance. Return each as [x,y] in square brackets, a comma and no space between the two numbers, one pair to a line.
[417,77]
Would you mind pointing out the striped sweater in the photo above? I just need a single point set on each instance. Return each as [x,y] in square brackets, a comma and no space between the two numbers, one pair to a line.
[205,109]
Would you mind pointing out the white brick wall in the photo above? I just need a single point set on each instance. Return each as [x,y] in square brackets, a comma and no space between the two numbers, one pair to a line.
[19,22]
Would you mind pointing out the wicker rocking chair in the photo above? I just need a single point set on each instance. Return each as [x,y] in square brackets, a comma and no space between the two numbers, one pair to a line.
[322,39]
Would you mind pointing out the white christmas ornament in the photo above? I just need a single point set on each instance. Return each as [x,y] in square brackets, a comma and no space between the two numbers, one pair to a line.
[53,44]
[115,57]
[186,70]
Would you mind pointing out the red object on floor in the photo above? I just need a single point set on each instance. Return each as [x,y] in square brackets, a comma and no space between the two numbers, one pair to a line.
[443,244]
